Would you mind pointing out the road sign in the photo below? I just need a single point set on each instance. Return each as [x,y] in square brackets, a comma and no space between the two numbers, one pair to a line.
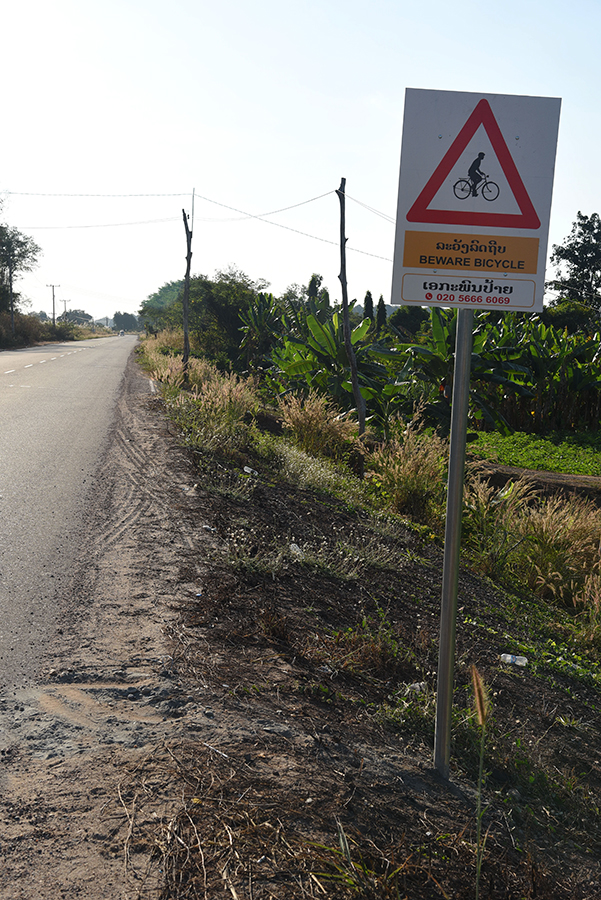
[474,200]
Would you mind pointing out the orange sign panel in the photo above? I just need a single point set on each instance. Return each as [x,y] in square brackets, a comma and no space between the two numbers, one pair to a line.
[494,255]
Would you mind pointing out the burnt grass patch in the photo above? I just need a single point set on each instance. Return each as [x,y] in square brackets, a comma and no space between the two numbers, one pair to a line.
[316,634]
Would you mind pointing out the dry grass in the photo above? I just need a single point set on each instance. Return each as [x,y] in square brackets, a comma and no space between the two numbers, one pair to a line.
[551,546]
[317,426]
[410,471]
[215,417]
[225,836]
[492,518]
[560,548]
[163,355]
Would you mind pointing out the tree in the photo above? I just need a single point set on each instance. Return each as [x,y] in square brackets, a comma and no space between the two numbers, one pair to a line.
[18,254]
[571,315]
[314,286]
[315,291]
[125,321]
[77,316]
[408,320]
[578,262]
[161,310]
[368,306]
[381,314]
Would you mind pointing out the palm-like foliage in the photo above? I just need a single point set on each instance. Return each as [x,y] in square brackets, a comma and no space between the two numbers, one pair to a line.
[313,358]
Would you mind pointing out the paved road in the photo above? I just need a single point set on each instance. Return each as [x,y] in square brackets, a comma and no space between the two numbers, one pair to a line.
[56,408]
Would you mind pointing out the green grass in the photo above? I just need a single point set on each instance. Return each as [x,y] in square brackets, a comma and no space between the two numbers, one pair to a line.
[575,454]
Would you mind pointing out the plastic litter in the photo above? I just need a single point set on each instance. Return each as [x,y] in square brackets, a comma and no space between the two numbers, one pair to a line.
[250,471]
[515,660]
[295,550]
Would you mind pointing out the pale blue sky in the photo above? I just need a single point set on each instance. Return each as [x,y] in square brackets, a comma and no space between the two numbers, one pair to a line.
[257,105]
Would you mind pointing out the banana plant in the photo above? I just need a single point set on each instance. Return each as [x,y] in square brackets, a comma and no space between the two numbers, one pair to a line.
[430,365]
[317,360]
[261,330]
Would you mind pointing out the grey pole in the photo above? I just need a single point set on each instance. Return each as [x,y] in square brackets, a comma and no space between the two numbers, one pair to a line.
[452,540]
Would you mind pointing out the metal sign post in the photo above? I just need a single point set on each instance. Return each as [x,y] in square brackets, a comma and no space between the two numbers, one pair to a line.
[452,540]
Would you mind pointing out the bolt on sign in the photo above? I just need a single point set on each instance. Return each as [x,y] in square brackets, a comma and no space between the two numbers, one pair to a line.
[474,200]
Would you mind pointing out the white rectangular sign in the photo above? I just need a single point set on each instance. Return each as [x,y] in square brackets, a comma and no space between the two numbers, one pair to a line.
[474,200]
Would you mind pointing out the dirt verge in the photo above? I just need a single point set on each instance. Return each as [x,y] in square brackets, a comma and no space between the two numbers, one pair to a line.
[110,696]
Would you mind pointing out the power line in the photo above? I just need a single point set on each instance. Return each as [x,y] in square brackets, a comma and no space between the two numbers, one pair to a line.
[262,217]
[295,230]
[273,212]
[372,210]
[106,225]
[32,194]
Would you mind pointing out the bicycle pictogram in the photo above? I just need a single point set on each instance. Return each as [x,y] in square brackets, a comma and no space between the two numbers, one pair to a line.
[471,186]
[464,189]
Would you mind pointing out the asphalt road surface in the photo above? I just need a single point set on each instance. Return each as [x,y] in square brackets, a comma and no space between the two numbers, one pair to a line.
[56,409]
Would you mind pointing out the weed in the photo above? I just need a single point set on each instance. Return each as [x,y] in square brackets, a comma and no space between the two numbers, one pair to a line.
[410,711]
[274,624]
[482,710]
[560,547]
[315,690]
[408,473]
[214,418]
[372,648]
[577,453]
[360,877]
[317,426]
[349,558]
[491,521]
[310,473]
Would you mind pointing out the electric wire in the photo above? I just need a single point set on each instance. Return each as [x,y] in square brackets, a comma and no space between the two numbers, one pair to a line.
[105,225]
[33,194]
[289,228]
[262,217]
[371,209]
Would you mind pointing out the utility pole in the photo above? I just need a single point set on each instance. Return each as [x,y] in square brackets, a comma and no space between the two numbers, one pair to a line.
[53,314]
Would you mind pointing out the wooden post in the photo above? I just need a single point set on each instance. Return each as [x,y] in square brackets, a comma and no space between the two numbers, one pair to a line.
[11,295]
[346,322]
[186,300]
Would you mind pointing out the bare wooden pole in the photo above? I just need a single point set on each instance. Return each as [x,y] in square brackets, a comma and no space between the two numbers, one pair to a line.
[346,322]
[186,300]
[11,295]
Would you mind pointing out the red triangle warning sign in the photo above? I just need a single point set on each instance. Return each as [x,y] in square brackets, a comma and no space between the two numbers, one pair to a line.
[527,217]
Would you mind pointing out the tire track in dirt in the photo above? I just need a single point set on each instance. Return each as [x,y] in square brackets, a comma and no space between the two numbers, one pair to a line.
[110,696]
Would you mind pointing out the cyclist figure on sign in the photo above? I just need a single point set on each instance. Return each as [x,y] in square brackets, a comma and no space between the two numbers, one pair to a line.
[475,175]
